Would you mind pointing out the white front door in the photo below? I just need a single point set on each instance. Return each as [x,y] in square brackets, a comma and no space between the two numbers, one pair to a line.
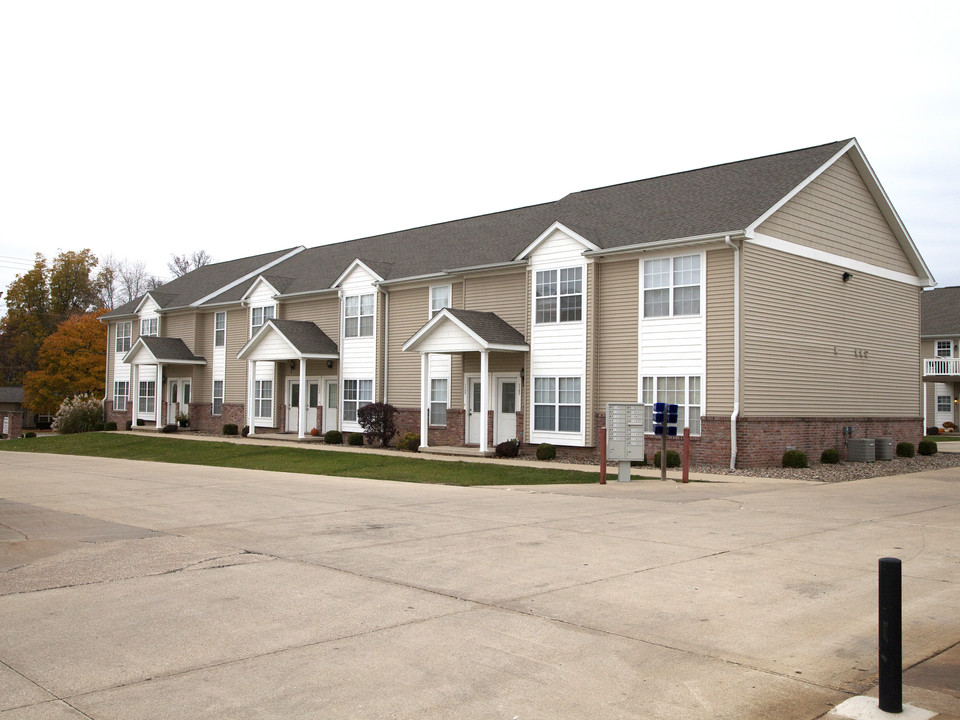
[178,399]
[293,404]
[329,405]
[473,411]
[943,393]
[505,416]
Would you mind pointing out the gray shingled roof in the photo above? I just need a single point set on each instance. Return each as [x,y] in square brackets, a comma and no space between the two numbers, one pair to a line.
[306,337]
[168,349]
[489,326]
[11,394]
[940,312]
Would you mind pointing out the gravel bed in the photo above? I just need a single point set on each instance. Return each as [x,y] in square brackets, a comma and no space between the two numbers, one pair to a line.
[844,471]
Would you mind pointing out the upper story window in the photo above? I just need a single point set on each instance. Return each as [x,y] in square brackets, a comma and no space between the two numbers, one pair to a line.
[150,326]
[439,298]
[358,316]
[559,295]
[220,329]
[944,348]
[671,286]
[259,315]
[124,333]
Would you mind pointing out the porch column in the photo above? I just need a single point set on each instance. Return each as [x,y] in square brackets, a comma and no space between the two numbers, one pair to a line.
[424,397]
[484,397]
[302,421]
[251,377]
[134,394]
[158,396]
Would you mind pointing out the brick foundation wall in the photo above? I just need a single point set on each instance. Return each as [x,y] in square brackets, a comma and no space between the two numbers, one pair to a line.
[120,417]
[408,421]
[14,423]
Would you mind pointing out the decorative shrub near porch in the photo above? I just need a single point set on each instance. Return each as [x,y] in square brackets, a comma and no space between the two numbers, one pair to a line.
[81,413]
[379,422]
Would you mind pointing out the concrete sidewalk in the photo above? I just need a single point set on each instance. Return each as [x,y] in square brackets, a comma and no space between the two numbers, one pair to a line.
[147,590]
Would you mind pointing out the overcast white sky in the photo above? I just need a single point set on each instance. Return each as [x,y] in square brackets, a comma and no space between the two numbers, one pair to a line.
[143,129]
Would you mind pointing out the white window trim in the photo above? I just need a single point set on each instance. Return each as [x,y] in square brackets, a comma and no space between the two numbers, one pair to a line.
[128,336]
[213,404]
[152,325]
[557,404]
[144,398]
[434,309]
[217,316]
[949,348]
[686,404]
[259,398]
[559,295]
[444,401]
[117,394]
[264,316]
[360,315]
[359,401]
[672,287]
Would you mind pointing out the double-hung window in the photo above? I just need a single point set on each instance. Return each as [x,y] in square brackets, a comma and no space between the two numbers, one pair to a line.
[438,401]
[439,298]
[559,295]
[263,399]
[121,393]
[150,326]
[682,391]
[944,403]
[258,316]
[356,394]
[146,400]
[944,348]
[124,334]
[557,404]
[358,315]
[220,329]
[217,397]
[671,286]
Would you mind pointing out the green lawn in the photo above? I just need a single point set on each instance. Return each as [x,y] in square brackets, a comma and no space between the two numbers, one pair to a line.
[295,459]
[952,437]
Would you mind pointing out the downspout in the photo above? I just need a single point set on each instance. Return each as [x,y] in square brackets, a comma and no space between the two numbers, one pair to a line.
[386,343]
[736,352]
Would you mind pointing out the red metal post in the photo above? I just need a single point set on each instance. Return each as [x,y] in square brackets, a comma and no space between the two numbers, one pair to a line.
[603,455]
[686,455]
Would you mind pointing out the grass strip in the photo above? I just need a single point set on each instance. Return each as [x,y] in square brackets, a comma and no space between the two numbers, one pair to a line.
[296,460]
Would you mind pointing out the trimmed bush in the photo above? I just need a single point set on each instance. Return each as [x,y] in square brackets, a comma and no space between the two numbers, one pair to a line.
[905,449]
[830,456]
[81,413]
[99,427]
[933,430]
[333,437]
[794,459]
[230,429]
[110,426]
[355,439]
[245,431]
[546,451]
[508,449]
[141,422]
[409,442]
[30,434]
[129,425]
[169,428]
[927,447]
[379,423]
[673,459]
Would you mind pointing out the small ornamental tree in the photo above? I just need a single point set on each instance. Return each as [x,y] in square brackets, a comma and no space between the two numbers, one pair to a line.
[379,423]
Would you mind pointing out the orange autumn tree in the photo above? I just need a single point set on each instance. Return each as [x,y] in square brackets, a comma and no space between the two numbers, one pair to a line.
[71,361]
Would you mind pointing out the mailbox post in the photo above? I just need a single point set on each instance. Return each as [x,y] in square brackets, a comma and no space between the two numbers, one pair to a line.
[664,425]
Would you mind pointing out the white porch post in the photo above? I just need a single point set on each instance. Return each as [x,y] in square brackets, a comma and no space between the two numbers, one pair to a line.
[251,377]
[424,398]
[302,421]
[158,396]
[134,394]
[484,397]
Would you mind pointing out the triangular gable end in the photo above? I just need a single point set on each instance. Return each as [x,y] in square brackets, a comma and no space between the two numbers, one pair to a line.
[556,227]
[283,347]
[143,301]
[357,263]
[462,338]
[260,281]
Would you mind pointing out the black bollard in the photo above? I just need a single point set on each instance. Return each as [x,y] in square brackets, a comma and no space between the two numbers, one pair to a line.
[891,641]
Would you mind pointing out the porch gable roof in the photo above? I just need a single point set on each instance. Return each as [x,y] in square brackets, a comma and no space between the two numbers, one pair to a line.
[472,330]
[150,350]
[301,338]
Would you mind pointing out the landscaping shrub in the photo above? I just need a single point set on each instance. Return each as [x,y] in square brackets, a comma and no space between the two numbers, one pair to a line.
[927,447]
[905,449]
[355,439]
[830,456]
[110,426]
[546,451]
[230,429]
[245,431]
[81,413]
[141,422]
[169,428]
[409,442]
[673,459]
[99,427]
[508,449]
[333,437]
[129,425]
[379,422]
[794,459]
[30,434]
[933,430]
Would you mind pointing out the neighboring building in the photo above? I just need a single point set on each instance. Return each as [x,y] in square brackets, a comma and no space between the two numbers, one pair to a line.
[940,350]
[11,401]
[775,300]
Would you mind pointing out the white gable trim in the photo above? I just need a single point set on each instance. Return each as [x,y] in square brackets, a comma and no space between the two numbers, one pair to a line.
[140,348]
[587,245]
[423,333]
[250,346]
[255,286]
[357,263]
[143,300]
[253,273]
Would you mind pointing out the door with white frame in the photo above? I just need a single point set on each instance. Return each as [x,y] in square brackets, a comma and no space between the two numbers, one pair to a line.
[944,400]
[293,404]
[330,387]
[473,411]
[505,409]
[178,399]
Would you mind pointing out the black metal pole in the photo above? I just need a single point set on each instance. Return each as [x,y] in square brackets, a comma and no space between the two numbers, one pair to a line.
[891,640]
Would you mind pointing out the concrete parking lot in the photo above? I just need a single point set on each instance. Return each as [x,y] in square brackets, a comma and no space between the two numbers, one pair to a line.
[142,590]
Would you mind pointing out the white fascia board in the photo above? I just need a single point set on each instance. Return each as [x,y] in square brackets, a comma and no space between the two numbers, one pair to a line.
[140,346]
[133,348]
[146,295]
[443,314]
[666,244]
[253,287]
[251,274]
[260,334]
[353,266]
[839,260]
[557,225]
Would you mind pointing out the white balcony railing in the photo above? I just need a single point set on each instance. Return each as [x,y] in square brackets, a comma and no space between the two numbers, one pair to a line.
[941,366]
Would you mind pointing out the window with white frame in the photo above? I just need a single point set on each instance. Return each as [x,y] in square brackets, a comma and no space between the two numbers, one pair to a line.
[944,348]
[150,326]
[263,399]
[671,286]
[258,316]
[438,401]
[682,391]
[124,334]
[944,403]
[356,394]
[121,394]
[358,315]
[557,405]
[146,400]
[439,298]
[217,397]
[559,295]
[220,329]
